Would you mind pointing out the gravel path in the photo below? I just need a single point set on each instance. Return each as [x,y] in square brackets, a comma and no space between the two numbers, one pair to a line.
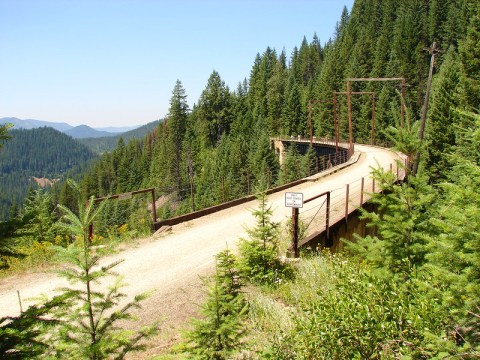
[171,264]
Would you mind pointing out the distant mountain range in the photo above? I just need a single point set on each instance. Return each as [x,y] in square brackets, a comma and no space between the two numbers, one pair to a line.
[77,132]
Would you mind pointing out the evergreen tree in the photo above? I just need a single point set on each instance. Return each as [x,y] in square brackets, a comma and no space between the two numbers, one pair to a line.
[4,133]
[262,161]
[442,120]
[217,334]
[275,95]
[176,127]
[88,322]
[469,51]
[260,262]
[40,216]
[400,222]
[454,251]
[292,168]
[295,121]
[214,110]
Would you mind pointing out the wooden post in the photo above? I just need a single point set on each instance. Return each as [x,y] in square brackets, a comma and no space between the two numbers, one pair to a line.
[327,216]
[373,185]
[19,302]
[349,103]
[154,209]
[335,121]
[361,191]
[347,194]
[295,231]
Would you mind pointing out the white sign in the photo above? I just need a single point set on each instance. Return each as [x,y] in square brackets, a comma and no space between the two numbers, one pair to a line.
[294,200]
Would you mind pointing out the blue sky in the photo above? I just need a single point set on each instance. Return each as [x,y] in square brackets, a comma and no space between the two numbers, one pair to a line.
[115,62]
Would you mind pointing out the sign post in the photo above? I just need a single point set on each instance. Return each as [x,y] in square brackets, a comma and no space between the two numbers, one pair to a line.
[295,201]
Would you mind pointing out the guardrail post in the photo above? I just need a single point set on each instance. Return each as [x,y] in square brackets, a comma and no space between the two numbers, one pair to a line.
[373,185]
[327,216]
[154,207]
[347,193]
[295,231]
[361,191]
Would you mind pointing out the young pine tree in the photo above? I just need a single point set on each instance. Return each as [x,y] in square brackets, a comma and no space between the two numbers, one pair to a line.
[260,262]
[89,321]
[400,222]
[454,249]
[218,333]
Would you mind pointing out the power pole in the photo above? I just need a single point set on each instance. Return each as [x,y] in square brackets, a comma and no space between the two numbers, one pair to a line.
[433,50]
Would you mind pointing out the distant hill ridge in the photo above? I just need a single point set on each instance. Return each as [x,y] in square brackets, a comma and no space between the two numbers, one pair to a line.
[31,157]
[77,132]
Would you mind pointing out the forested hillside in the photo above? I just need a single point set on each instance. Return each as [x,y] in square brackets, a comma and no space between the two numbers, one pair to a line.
[220,149]
[42,152]
[410,289]
[108,143]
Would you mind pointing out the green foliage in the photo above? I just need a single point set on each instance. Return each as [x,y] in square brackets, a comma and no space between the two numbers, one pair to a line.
[260,262]
[89,321]
[21,336]
[214,110]
[404,137]
[218,333]
[453,248]
[469,51]
[26,239]
[40,217]
[9,241]
[400,222]
[4,133]
[291,168]
[343,311]
[442,119]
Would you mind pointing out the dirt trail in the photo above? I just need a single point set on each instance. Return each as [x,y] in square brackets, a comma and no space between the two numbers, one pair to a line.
[171,264]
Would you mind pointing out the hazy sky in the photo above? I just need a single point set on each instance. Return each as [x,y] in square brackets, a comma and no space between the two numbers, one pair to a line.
[115,62]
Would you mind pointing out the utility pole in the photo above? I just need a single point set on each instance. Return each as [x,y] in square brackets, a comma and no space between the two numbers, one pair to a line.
[433,51]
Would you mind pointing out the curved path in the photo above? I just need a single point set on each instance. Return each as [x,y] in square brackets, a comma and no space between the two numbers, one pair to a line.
[170,264]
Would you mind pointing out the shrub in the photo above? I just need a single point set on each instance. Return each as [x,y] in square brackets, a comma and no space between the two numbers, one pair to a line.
[346,312]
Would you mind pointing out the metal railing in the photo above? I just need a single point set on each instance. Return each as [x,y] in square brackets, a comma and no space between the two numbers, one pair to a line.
[338,204]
